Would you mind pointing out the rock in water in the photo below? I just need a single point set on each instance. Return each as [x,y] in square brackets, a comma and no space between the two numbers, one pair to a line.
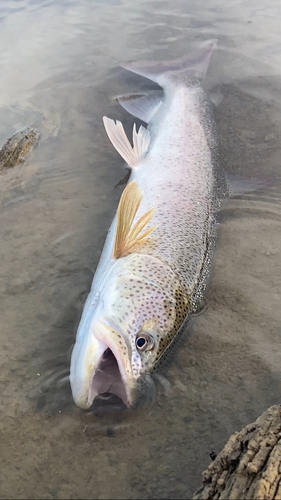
[18,147]
[249,466]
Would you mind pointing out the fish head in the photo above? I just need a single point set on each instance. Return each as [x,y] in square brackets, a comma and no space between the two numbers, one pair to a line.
[125,333]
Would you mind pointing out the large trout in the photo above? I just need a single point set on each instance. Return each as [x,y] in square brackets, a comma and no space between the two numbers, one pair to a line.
[156,257]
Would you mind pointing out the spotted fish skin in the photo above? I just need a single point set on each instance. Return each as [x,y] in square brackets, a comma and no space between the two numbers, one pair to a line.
[147,292]
[148,297]
[181,166]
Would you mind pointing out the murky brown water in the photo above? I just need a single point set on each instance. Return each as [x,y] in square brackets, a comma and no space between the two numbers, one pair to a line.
[58,66]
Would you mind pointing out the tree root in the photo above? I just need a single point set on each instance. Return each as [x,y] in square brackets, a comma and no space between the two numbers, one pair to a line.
[249,466]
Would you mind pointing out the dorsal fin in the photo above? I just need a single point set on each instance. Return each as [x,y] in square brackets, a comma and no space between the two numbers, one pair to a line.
[128,237]
[141,139]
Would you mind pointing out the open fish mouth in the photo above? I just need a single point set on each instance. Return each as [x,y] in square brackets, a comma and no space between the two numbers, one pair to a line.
[107,378]
[100,363]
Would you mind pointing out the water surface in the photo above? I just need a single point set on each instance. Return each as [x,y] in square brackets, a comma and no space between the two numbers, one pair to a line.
[59,71]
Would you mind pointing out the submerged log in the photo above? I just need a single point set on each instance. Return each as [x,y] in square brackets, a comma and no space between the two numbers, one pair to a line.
[249,466]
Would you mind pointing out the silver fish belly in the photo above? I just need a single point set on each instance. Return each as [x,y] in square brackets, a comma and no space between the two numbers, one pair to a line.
[156,258]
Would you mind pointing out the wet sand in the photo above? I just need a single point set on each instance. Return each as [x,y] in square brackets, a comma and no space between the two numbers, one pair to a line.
[59,73]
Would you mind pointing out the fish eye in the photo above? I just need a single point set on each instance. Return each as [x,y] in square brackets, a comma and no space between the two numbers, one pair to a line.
[145,342]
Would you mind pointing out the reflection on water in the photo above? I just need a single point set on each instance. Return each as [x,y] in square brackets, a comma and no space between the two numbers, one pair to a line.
[59,72]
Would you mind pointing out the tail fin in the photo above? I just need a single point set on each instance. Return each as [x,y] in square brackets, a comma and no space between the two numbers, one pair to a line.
[195,64]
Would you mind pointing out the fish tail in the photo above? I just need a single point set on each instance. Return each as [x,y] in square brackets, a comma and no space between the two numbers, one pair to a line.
[194,65]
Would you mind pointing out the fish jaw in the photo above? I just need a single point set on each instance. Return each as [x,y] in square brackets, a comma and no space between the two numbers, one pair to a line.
[100,363]
[85,359]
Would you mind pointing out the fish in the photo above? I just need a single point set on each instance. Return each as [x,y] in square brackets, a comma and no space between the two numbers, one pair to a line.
[156,259]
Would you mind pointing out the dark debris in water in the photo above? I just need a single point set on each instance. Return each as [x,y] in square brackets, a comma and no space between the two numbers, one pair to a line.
[110,432]
[213,455]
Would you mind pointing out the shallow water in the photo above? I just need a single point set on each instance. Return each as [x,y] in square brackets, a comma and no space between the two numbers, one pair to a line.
[59,71]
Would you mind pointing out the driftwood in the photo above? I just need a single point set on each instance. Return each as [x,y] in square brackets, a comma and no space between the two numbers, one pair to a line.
[249,466]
